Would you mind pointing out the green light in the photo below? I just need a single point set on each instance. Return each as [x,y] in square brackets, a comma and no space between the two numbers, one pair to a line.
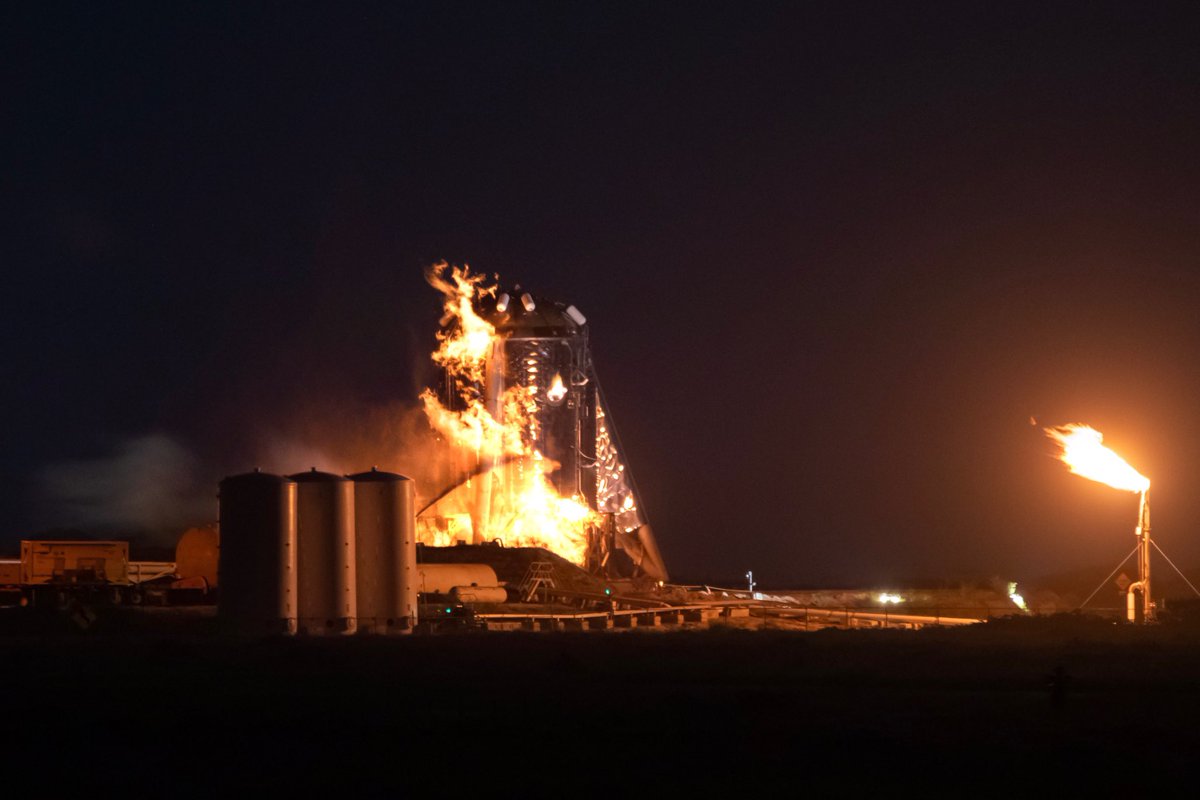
[447,610]
[607,590]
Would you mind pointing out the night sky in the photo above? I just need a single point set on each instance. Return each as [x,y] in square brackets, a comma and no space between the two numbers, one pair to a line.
[835,256]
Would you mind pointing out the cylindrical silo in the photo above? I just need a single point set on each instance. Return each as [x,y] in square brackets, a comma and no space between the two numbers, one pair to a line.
[258,554]
[385,551]
[325,553]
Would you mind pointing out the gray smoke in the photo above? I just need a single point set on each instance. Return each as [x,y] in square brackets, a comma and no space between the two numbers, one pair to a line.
[149,484]
[346,438]
[285,456]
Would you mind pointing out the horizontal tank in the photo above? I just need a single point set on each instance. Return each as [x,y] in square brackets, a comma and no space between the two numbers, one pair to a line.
[479,594]
[385,552]
[443,578]
[257,564]
[325,560]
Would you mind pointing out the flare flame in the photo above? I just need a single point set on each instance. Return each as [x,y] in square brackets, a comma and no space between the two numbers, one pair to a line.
[1085,455]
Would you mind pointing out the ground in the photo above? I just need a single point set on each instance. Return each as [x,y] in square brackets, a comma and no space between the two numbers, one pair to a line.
[1045,706]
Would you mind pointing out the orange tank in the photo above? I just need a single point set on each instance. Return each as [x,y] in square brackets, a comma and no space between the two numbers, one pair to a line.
[197,553]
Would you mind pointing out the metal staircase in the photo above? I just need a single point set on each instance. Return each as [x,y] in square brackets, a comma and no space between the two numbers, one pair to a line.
[539,576]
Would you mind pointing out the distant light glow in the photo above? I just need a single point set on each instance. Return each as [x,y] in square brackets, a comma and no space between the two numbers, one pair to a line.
[1017,599]
[887,598]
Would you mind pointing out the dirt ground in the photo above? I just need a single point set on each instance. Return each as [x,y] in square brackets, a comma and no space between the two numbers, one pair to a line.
[1041,706]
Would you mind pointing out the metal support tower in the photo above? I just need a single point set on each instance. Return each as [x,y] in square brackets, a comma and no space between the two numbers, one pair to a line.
[1141,611]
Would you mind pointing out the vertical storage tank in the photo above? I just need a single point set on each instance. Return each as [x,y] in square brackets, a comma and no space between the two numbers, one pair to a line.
[257,565]
[325,553]
[386,551]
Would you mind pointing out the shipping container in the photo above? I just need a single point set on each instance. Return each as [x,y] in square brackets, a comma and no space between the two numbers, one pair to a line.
[47,562]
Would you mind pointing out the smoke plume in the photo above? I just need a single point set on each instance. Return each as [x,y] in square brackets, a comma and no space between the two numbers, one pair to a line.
[346,437]
[149,484]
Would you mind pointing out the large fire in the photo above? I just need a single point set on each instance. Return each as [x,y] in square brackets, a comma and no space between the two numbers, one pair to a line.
[1085,455]
[516,502]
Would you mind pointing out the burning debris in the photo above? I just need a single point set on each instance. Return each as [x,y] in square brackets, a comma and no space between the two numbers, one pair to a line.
[537,460]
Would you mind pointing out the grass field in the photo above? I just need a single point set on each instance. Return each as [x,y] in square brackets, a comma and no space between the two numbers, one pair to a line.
[966,712]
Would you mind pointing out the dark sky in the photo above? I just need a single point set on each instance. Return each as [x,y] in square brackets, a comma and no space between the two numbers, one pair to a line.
[835,255]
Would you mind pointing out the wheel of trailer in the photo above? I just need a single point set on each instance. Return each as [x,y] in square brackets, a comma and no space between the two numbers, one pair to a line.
[114,596]
[135,597]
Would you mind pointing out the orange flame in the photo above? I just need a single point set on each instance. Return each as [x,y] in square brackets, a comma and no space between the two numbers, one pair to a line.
[1086,456]
[462,350]
[557,391]
[523,508]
